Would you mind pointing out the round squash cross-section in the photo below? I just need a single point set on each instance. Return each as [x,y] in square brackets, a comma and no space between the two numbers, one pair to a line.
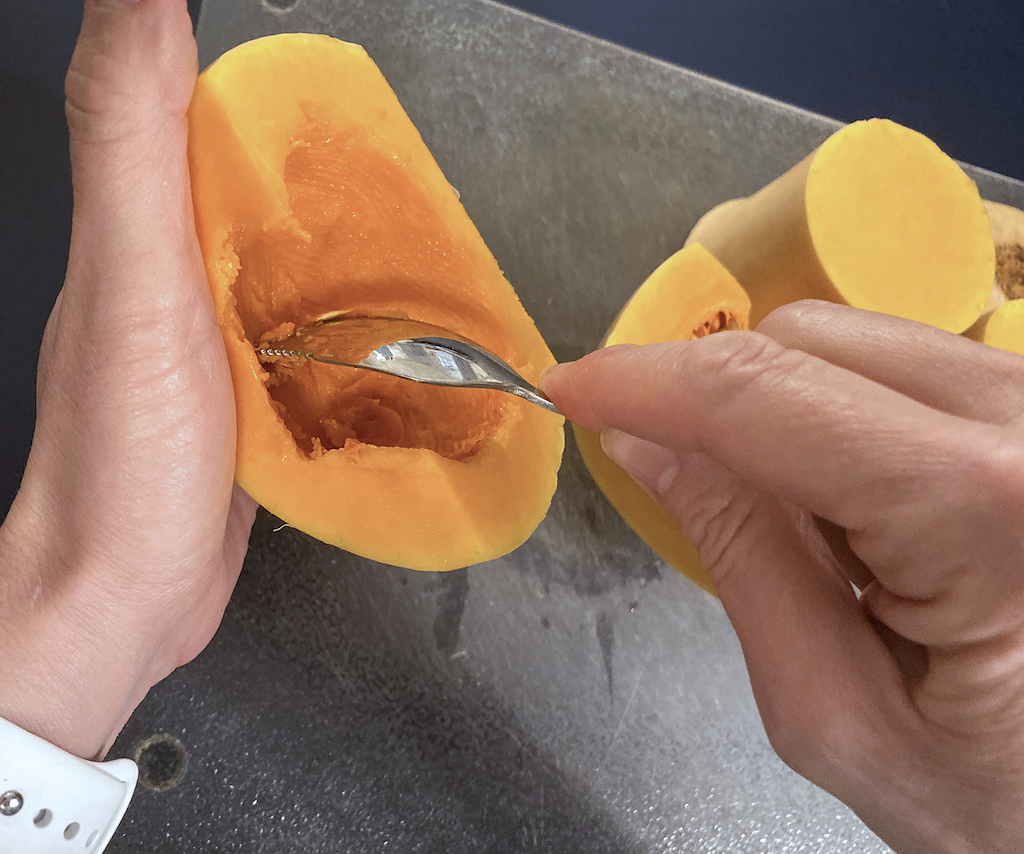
[689,296]
[315,197]
[877,217]
[898,227]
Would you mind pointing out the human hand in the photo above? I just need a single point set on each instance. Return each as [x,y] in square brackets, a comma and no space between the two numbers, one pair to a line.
[122,547]
[834,446]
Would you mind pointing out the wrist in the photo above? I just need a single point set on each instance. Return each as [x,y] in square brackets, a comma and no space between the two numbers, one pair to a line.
[74,669]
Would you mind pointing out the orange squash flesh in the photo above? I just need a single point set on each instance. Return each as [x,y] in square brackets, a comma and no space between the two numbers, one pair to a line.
[878,217]
[690,295]
[1004,327]
[314,195]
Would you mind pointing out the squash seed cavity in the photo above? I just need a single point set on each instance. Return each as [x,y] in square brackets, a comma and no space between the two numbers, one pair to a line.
[362,238]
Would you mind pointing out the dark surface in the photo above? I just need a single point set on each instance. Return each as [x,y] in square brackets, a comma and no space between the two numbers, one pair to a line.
[952,69]
[576,696]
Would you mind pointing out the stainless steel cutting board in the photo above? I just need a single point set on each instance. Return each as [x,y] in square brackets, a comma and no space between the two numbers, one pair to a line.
[578,695]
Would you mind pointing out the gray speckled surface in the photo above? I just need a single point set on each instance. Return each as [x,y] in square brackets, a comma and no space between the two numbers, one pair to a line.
[576,696]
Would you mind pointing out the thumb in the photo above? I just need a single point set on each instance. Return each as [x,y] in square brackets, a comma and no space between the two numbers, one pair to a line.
[134,323]
[133,68]
[127,93]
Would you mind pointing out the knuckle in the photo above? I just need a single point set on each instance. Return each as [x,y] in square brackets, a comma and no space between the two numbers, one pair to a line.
[997,475]
[818,743]
[91,101]
[716,512]
[793,317]
[999,471]
[732,363]
[800,748]
[108,96]
[716,525]
[787,738]
[91,76]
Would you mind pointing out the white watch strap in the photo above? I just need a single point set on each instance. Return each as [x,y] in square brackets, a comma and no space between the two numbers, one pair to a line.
[51,801]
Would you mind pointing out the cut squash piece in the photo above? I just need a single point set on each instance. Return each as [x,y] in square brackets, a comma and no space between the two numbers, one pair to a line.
[315,196]
[1002,324]
[1004,327]
[689,296]
[877,217]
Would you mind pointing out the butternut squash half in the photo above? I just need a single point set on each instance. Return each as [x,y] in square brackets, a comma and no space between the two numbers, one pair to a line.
[315,196]
[689,296]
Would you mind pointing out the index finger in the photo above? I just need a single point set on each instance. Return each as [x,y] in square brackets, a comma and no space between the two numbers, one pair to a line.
[889,469]
[948,372]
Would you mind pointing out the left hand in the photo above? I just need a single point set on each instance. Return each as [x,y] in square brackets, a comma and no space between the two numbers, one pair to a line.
[126,538]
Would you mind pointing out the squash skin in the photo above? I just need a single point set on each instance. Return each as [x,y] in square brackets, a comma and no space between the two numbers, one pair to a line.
[252,110]
[877,217]
[686,294]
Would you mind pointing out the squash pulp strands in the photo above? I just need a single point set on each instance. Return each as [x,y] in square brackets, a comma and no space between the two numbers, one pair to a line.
[428,358]
[1002,324]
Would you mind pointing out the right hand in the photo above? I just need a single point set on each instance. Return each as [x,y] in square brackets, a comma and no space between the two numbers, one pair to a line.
[833,446]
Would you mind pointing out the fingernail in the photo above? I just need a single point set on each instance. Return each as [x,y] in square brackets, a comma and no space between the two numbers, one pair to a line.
[546,375]
[650,465]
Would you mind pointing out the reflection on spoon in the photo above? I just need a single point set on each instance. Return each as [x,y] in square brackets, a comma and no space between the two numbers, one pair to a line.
[403,348]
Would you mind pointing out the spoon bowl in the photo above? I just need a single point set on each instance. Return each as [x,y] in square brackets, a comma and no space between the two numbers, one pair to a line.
[409,349]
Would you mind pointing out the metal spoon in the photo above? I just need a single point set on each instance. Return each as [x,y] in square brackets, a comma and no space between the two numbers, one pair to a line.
[403,348]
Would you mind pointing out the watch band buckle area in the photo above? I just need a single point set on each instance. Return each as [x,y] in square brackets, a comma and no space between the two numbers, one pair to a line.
[53,801]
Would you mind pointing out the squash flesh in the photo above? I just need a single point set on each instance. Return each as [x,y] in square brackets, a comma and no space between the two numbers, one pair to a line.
[1004,328]
[877,218]
[326,259]
[1002,324]
[898,227]
[314,194]
[689,296]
